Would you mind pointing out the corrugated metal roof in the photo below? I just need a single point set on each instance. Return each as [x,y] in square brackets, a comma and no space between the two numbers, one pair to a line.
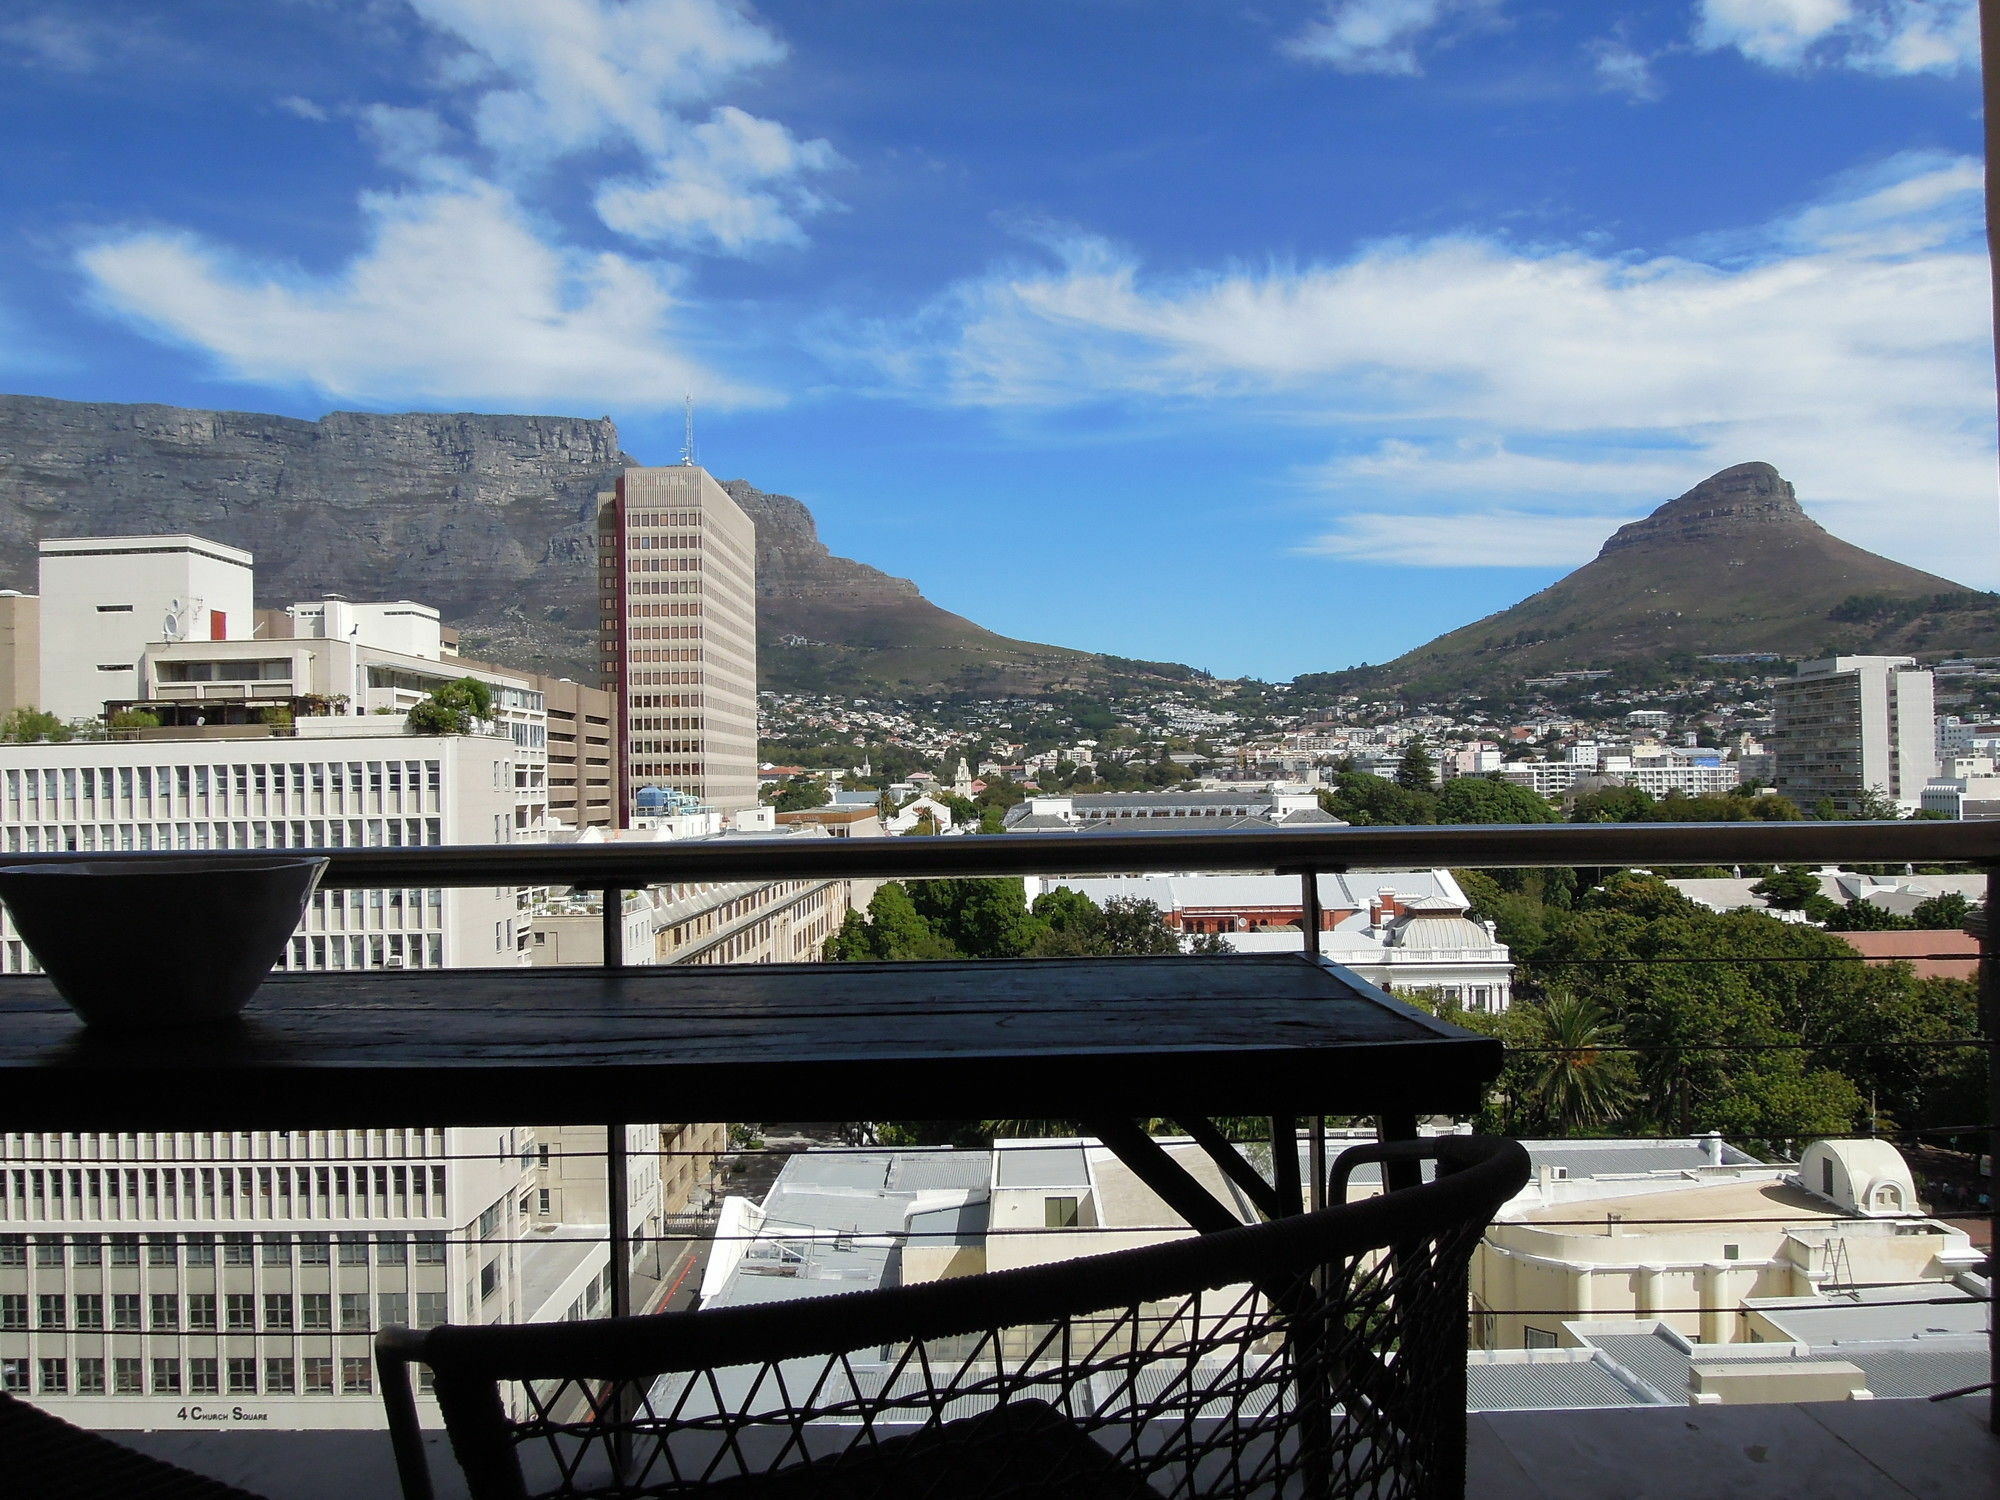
[1550,1385]
[1881,1313]
[1918,1367]
[1658,1363]
[922,1172]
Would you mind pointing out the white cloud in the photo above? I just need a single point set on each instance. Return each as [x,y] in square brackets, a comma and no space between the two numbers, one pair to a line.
[1776,32]
[1622,70]
[412,141]
[305,109]
[1875,36]
[1847,342]
[1377,36]
[732,182]
[455,299]
[545,80]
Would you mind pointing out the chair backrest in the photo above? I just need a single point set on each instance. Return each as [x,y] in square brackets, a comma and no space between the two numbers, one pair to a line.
[1323,1352]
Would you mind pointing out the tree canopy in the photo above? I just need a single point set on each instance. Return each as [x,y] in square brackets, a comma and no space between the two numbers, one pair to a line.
[991,919]
[453,707]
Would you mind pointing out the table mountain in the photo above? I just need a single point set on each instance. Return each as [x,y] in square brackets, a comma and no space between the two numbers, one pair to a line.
[488,517]
[1733,565]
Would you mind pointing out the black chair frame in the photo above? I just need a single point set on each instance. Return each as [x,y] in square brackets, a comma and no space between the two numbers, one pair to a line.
[1332,1347]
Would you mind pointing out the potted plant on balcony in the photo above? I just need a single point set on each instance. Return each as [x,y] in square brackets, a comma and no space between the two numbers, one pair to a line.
[205,932]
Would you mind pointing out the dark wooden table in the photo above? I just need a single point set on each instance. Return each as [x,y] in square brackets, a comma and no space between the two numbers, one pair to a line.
[1030,1039]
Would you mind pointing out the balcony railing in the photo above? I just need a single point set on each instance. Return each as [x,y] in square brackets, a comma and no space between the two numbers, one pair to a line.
[618,869]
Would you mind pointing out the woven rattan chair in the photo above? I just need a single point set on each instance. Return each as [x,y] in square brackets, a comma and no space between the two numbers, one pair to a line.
[1317,1355]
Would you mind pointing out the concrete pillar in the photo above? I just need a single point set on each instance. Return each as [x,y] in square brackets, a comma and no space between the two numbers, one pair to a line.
[1651,1289]
[1718,1312]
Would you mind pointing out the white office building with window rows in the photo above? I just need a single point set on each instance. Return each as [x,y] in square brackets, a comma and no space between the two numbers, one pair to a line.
[330,787]
[183,1280]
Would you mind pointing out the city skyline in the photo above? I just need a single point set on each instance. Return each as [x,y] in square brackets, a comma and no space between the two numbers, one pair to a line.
[1347,321]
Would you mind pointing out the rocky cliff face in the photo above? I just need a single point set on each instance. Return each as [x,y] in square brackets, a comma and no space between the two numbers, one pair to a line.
[490,518]
[1751,506]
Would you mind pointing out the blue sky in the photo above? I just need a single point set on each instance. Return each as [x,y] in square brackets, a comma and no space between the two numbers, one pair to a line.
[1269,336]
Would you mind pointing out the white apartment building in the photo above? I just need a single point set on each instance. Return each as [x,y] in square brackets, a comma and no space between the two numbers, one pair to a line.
[167,1281]
[1695,1249]
[1405,930]
[103,598]
[344,774]
[1656,772]
[173,1280]
[1956,736]
[1849,725]
[677,602]
[373,790]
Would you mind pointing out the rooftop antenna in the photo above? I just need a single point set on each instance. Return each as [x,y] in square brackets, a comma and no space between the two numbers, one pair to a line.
[687,440]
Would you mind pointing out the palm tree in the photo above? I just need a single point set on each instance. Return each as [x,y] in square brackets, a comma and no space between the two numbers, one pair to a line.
[1579,1082]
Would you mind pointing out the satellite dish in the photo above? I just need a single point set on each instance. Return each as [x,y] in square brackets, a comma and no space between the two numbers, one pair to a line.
[174,626]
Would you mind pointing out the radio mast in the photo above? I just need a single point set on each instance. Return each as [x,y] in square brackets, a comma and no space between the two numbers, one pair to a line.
[687,438]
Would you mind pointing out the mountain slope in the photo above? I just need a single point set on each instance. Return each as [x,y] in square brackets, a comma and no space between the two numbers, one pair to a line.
[1733,565]
[829,623]
[489,517]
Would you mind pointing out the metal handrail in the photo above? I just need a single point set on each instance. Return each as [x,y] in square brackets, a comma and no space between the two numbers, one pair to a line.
[1328,851]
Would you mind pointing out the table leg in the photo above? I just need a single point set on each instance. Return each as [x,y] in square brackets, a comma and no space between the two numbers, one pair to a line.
[1285,1163]
[1231,1162]
[1178,1188]
[1395,1173]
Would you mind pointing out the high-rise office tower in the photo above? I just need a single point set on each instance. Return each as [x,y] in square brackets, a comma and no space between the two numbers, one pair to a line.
[1850,725]
[677,601]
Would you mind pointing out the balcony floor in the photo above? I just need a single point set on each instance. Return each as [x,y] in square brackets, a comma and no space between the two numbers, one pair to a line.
[1857,1450]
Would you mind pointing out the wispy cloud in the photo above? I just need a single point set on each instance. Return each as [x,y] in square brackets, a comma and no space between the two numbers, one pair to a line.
[1382,36]
[1874,36]
[1845,341]
[1622,69]
[455,298]
[68,43]
[1497,538]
